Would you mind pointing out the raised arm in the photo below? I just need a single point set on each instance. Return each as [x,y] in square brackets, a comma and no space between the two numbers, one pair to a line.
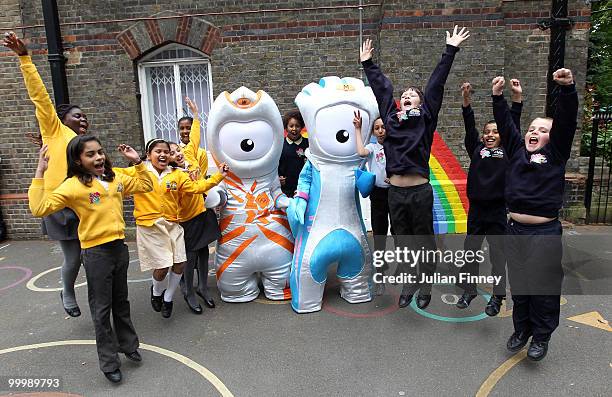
[141,182]
[361,150]
[191,149]
[434,91]
[517,102]
[203,185]
[381,85]
[566,114]
[50,124]
[471,133]
[509,134]
[58,199]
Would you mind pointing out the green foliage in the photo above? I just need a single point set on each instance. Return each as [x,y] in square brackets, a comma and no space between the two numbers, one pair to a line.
[599,72]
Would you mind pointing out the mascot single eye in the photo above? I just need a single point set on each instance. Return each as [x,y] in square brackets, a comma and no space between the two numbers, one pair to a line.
[246,141]
[247,145]
[335,130]
[342,136]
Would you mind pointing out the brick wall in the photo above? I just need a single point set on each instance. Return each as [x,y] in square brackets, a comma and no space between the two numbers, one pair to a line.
[279,52]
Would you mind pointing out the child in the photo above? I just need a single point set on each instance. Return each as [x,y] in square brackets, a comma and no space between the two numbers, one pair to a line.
[379,203]
[292,158]
[57,127]
[96,194]
[485,190]
[159,237]
[409,135]
[535,182]
[200,225]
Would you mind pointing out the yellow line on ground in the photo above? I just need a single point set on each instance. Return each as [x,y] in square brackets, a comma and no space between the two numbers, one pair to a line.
[496,375]
[209,376]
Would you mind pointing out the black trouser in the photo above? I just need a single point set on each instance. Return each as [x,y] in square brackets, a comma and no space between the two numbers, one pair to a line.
[536,275]
[379,217]
[411,213]
[486,220]
[106,268]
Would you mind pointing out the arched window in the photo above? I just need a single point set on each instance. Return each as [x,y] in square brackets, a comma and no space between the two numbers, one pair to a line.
[166,76]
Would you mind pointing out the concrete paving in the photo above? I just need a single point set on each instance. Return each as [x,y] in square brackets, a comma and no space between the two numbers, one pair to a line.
[265,349]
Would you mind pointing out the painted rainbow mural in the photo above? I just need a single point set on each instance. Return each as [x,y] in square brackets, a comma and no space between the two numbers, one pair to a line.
[449,182]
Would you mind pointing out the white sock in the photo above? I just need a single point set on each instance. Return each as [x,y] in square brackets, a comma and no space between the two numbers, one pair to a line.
[158,287]
[173,282]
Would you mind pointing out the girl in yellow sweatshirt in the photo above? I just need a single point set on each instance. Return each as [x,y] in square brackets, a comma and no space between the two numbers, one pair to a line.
[57,128]
[200,226]
[159,236]
[95,193]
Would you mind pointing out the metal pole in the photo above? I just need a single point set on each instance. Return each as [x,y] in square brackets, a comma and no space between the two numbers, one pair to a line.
[360,35]
[556,55]
[56,57]
[591,176]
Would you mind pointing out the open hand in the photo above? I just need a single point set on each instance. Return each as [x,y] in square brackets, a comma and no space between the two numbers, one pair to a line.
[498,85]
[457,38]
[563,77]
[14,43]
[43,160]
[129,153]
[193,107]
[366,50]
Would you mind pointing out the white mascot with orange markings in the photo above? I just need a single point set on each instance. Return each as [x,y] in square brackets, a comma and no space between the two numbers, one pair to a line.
[245,130]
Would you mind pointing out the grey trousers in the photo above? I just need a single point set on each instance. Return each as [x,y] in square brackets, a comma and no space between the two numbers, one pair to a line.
[106,268]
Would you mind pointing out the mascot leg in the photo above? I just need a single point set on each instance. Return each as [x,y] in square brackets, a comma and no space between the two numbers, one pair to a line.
[235,280]
[276,281]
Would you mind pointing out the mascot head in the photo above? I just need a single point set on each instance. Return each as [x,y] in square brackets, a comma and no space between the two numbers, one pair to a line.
[327,109]
[245,130]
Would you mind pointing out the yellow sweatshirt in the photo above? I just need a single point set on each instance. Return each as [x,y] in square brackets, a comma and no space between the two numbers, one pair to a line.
[100,209]
[163,201]
[54,133]
[192,205]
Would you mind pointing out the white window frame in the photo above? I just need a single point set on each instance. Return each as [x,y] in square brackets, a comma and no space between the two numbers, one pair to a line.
[176,63]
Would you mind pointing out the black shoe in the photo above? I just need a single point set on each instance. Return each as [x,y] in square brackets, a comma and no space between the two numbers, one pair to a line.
[197,309]
[465,300]
[537,350]
[156,301]
[517,341]
[494,305]
[114,376]
[209,302]
[423,301]
[74,312]
[404,300]
[134,356]
[166,309]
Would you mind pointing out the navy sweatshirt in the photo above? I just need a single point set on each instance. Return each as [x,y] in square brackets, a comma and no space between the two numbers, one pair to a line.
[291,163]
[487,174]
[535,181]
[408,142]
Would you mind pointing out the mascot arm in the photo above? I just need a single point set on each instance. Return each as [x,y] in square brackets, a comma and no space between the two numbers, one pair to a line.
[297,207]
[281,201]
[215,197]
[364,181]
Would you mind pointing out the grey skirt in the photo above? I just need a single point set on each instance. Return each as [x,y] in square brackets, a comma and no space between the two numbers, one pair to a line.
[61,225]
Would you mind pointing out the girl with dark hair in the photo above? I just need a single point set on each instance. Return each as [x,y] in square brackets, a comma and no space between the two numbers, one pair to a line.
[57,127]
[160,238]
[293,156]
[200,225]
[96,194]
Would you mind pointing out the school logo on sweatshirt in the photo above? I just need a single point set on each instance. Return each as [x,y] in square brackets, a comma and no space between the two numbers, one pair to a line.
[300,152]
[538,158]
[496,153]
[94,198]
[171,186]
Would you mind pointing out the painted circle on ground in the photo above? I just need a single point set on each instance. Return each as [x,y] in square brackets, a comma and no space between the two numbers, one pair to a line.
[450,299]
[203,371]
[26,274]
[468,319]
[31,285]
